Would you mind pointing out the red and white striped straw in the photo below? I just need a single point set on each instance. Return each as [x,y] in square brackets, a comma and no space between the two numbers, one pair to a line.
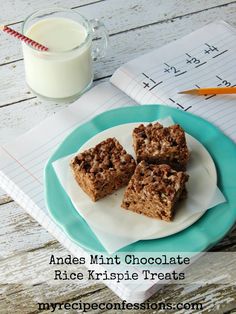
[21,37]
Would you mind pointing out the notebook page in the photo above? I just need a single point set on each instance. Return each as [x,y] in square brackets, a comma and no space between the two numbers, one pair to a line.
[22,163]
[204,58]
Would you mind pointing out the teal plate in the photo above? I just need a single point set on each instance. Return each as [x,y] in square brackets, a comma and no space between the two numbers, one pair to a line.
[203,234]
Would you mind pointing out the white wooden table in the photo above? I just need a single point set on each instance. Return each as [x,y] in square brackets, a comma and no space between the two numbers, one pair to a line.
[135,27]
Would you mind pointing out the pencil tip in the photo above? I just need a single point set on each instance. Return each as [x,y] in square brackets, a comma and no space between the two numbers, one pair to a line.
[190,91]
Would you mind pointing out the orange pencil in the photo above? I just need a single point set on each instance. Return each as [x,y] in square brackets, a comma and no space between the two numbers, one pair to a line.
[210,91]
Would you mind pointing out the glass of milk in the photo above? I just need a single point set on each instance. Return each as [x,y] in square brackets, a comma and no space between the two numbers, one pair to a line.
[65,71]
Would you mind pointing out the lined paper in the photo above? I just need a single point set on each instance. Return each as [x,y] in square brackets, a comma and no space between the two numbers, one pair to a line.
[22,163]
[205,58]
[23,160]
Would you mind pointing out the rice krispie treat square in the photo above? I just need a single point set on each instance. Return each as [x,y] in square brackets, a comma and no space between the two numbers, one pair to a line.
[101,170]
[161,145]
[154,190]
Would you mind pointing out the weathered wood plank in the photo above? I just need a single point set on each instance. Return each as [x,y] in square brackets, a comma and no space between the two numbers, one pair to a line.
[19,232]
[31,280]
[118,16]
[4,198]
[17,10]
[26,299]
[28,279]
[123,47]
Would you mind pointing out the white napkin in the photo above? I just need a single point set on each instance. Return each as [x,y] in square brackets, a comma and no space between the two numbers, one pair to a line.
[116,227]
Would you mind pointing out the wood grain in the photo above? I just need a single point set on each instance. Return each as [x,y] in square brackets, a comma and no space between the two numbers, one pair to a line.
[135,27]
[38,286]
[118,16]
[123,47]
[19,232]
[17,10]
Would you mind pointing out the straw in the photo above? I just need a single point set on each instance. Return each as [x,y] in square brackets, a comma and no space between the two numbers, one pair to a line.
[21,37]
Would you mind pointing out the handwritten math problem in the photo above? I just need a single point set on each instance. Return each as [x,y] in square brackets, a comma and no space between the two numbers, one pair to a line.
[150,83]
[184,67]
[179,106]
[202,59]
[196,62]
[173,70]
[212,49]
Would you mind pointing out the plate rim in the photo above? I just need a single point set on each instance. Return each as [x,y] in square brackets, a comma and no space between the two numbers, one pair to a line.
[163,111]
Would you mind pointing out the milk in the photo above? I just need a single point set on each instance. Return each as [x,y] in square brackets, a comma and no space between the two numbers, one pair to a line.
[66,69]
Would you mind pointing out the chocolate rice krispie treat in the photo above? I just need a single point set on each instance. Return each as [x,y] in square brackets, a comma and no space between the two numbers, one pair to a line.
[103,169]
[154,190]
[161,145]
